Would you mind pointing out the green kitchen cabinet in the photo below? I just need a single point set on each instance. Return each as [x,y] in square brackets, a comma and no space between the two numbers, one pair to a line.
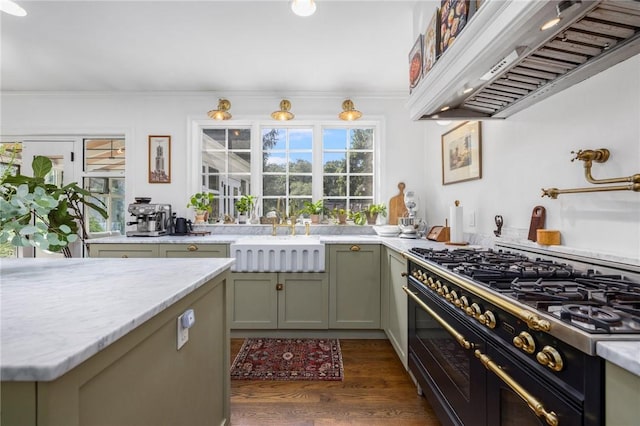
[123,250]
[394,302]
[193,250]
[286,300]
[354,286]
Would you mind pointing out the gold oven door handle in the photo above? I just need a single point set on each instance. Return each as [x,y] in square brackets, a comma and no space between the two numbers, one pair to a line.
[536,406]
[459,337]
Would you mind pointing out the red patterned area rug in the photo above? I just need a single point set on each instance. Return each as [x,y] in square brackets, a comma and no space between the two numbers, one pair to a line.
[288,359]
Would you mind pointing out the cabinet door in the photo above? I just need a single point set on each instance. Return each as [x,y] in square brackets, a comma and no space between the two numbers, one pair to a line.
[354,286]
[123,250]
[193,250]
[396,315]
[303,301]
[253,300]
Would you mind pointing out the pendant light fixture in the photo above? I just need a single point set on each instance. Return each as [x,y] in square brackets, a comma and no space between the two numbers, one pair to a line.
[303,7]
[222,113]
[349,112]
[283,114]
[12,8]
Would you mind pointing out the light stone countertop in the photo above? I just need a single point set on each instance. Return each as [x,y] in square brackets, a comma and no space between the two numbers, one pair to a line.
[623,354]
[57,313]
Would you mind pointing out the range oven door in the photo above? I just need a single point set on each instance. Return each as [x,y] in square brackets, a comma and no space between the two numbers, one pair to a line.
[450,376]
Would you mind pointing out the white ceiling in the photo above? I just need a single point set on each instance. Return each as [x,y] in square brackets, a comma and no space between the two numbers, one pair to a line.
[347,47]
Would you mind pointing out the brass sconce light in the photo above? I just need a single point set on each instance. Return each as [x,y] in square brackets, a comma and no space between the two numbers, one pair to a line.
[283,114]
[349,111]
[222,113]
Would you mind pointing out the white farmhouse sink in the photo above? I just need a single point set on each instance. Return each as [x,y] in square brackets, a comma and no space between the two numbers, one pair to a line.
[278,254]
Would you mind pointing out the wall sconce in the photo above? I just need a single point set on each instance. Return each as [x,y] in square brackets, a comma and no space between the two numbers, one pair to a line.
[349,112]
[222,112]
[303,7]
[283,114]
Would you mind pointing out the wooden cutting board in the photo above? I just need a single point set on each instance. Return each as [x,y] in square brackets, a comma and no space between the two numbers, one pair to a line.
[537,222]
[397,208]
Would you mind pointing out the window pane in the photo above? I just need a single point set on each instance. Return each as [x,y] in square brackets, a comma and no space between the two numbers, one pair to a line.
[300,185]
[274,185]
[239,139]
[360,186]
[334,138]
[361,162]
[217,139]
[300,139]
[239,162]
[331,204]
[274,162]
[274,139]
[335,186]
[105,155]
[216,160]
[335,162]
[361,139]
[300,162]
[359,204]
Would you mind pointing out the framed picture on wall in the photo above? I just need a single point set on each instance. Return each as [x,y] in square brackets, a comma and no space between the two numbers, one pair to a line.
[454,15]
[431,43]
[415,64]
[462,153]
[159,159]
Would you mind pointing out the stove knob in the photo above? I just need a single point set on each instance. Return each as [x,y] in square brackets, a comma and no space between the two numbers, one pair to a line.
[473,310]
[488,319]
[438,284]
[452,297]
[430,280]
[443,291]
[551,358]
[525,342]
[464,303]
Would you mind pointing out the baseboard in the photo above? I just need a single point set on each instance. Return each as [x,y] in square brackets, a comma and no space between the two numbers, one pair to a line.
[329,334]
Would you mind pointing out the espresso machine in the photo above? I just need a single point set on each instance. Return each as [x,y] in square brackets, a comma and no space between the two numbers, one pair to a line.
[152,220]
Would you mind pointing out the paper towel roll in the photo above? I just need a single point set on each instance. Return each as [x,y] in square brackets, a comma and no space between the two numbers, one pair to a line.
[456,224]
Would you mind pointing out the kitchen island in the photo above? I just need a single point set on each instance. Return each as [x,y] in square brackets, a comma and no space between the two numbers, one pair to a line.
[94,341]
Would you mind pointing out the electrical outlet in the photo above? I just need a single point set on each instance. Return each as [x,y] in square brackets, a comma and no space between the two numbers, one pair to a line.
[183,332]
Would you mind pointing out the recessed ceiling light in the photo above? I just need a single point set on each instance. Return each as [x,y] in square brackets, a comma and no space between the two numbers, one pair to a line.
[444,108]
[467,90]
[12,8]
[551,23]
[443,122]
[303,7]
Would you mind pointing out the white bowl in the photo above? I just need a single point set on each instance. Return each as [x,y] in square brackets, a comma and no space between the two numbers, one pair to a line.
[387,230]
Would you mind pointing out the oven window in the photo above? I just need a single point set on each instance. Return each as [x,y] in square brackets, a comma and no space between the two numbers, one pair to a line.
[447,352]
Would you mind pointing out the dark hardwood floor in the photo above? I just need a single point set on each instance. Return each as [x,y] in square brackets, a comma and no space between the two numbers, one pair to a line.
[376,390]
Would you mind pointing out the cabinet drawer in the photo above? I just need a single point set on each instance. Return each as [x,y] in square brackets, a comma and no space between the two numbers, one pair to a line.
[193,250]
[123,250]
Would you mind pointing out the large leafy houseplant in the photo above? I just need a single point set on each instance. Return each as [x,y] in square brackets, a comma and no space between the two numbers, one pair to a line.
[43,215]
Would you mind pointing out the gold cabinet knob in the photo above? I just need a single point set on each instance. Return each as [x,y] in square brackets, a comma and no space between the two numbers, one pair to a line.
[525,342]
[124,256]
[549,357]
[279,286]
[192,247]
[355,248]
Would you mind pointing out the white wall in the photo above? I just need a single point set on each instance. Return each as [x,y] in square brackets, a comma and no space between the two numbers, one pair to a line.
[532,150]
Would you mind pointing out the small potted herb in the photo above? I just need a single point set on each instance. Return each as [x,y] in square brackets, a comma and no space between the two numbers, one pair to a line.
[244,206]
[314,210]
[373,211]
[341,215]
[201,202]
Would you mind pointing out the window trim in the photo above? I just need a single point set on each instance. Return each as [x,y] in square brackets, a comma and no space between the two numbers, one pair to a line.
[197,126]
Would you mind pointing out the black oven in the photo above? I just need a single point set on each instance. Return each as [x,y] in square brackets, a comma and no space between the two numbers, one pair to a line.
[471,377]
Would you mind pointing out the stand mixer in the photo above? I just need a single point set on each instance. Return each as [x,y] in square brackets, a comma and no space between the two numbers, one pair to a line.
[409,224]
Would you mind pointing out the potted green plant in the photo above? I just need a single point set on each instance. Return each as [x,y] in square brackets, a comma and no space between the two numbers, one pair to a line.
[38,214]
[244,206]
[373,211]
[201,202]
[341,215]
[314,210]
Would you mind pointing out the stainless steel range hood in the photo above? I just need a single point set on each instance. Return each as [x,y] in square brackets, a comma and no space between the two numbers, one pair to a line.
[505,62]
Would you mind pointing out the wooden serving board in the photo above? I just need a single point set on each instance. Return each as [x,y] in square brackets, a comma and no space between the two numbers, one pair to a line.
[397,208]
[537,222]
